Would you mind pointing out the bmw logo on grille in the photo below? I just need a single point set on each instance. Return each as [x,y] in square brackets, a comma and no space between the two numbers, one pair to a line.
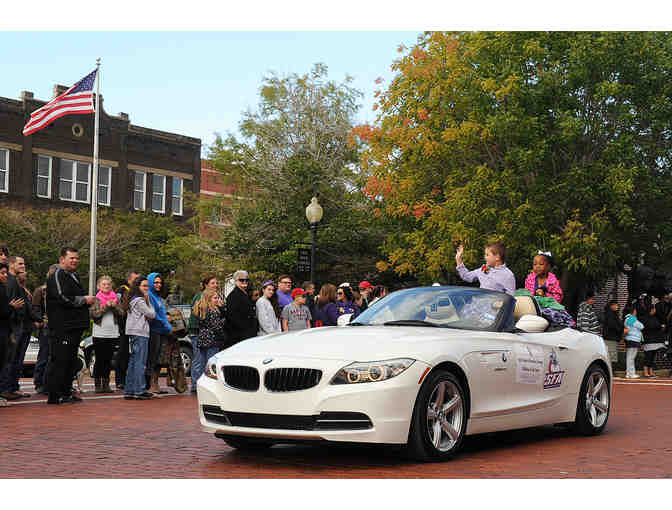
[267,361]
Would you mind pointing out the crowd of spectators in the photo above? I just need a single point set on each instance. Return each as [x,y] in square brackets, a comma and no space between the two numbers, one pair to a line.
[136,318]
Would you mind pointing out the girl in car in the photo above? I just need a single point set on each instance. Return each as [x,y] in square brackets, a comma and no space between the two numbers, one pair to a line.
[541,282]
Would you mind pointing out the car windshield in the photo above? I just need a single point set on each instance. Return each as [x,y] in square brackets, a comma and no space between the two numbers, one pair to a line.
[446,307]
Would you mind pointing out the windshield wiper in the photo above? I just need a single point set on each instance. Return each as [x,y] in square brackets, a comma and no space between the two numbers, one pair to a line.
[410,322]
[358,324]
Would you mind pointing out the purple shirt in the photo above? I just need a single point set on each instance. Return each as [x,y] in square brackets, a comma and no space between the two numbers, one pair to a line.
[284,298]
[497,278]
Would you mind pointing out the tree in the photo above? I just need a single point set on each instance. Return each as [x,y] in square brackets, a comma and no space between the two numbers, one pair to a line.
[140,241]
[296,144]
[552,140]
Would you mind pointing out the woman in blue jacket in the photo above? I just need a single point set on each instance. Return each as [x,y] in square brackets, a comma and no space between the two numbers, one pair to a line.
[159,329]
[633,340]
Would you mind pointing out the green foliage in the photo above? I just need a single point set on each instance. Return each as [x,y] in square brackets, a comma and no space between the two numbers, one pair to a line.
[140,241]
[552,140]
[296,144]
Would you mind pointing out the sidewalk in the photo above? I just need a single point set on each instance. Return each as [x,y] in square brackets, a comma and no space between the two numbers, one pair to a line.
[661,375]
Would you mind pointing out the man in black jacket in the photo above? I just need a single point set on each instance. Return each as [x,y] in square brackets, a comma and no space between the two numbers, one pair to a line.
[21,328]
[68,309]
[241,313]
[7,310]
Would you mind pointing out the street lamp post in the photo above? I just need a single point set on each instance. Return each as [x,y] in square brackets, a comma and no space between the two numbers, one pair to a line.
[314,215]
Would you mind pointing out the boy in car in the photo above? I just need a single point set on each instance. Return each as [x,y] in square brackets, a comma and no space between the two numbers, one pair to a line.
[493,275]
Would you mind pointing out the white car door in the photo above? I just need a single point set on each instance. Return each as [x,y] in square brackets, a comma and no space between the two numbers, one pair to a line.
[543,368]
[491,374]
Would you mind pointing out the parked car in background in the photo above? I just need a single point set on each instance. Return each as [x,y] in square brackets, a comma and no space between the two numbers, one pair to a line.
[186,352]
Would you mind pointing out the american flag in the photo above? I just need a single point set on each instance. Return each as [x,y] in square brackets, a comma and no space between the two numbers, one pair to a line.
[78,99]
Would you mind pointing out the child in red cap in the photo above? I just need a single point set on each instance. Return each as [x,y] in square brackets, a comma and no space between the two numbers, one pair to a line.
[296,315]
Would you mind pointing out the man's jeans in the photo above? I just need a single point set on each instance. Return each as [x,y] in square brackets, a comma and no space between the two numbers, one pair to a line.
[9,379]
[40,375]
[200,358]
[135,374]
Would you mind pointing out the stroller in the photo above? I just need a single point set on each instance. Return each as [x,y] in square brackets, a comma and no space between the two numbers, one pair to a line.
[170,352]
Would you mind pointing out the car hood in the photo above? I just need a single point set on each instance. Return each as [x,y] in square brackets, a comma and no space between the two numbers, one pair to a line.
[364,343]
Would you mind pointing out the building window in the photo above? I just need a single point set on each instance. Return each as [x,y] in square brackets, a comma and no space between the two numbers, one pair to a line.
[178,187]
[44,176]
[159,193]
[75,181]
[4,170]
[104,183]
[139,191]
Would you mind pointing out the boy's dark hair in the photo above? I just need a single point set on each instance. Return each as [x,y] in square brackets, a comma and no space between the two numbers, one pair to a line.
[629,308]
[497,248]
[590,293]
[66,249]
[4,250]
[306,285]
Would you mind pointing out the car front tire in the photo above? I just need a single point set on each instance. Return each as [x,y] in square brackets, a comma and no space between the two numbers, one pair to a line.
[439,418]
[592,410]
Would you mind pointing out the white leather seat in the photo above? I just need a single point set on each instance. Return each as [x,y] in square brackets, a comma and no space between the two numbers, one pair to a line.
[524,306]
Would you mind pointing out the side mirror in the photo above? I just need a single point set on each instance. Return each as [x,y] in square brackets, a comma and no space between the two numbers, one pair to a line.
[532,324]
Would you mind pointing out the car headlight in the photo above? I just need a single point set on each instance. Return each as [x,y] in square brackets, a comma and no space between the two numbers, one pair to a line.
[210,370]
[371,371]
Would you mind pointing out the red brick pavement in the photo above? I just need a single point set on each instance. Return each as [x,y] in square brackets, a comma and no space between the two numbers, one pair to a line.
[115,438]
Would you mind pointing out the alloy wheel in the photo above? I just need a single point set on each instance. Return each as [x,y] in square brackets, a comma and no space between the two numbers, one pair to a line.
[445,413]
[597,399]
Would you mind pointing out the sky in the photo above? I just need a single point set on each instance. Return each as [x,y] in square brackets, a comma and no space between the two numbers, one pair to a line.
[193,83]
[192,68]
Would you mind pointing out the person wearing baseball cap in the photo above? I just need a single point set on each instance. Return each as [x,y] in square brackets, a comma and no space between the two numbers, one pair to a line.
[365,290]
[296,315]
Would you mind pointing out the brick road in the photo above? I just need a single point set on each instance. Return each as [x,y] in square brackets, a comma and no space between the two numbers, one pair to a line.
[115,438]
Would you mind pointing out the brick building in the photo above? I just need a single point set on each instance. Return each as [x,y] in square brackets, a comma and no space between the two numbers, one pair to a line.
[139,168]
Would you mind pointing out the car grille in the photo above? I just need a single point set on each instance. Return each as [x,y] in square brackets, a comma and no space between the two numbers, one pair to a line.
[324,421]
[291,379]
[241,378]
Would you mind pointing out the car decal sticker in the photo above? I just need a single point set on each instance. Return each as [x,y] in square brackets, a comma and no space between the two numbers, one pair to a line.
[529,364]
[554,374]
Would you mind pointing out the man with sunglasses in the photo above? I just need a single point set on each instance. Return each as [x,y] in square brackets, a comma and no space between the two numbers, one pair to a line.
[284,291]
[241,313]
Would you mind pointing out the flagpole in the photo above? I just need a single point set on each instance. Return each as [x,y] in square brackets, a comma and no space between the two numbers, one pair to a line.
[94,189]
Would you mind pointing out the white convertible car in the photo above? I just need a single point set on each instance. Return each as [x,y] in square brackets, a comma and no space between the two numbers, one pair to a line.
[423,367]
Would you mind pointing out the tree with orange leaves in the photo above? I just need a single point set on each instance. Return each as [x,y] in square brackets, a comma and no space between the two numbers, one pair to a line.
[550,140]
